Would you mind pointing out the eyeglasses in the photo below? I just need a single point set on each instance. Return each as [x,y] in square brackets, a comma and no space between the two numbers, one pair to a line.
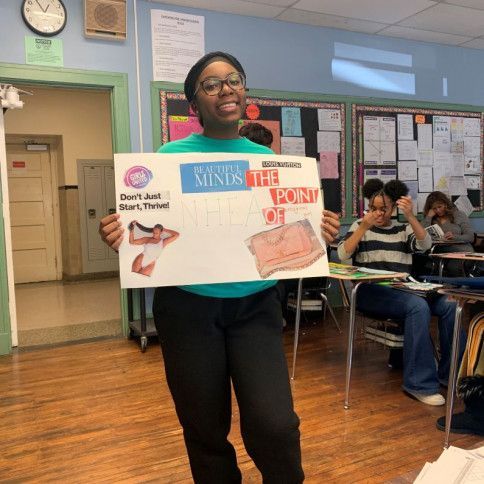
[213,85]
[382,210]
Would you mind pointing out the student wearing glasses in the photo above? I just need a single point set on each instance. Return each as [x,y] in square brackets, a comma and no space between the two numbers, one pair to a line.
[377,241]
[216,335]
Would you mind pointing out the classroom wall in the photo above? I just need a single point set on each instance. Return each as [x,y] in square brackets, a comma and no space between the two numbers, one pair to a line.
[290,57]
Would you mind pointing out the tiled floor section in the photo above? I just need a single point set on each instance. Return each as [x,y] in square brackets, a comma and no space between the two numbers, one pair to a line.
[52,312]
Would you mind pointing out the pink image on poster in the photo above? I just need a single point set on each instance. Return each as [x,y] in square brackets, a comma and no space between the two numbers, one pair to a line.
[328,165]
[183,126]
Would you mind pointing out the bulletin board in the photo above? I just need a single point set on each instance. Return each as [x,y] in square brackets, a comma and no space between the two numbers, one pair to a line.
[428,149]
[313,128]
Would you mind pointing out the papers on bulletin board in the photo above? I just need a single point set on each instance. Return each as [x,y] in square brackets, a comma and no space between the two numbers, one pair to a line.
[329,120]
[329,141]
[421,199]
[293,146]
[177,42]
[407,150]
[425,158]
[378,128]
[424,136]
[441,144]
[472,146]
[379,152]
[457,186]
[442,171]
[472,127]
[457,164]
[291,121]
[182,126]
[473,182]
[425,179]
[472,164]
[405,127]
[200,218]
[441,125]
[413,193]
[407,170]
[328,162]
[384,174]
[464,204]
[456,129]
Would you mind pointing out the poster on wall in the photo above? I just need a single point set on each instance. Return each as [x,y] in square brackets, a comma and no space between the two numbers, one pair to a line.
[177,42]
[200,218]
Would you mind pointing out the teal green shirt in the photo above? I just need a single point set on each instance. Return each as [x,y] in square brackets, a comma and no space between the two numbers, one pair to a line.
[197,143]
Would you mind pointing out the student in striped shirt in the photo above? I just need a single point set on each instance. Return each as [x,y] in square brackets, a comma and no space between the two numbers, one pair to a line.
[380,242]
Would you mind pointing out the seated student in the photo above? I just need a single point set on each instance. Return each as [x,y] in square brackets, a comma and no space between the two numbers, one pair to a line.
[257,133]
[378,242]
[455,224]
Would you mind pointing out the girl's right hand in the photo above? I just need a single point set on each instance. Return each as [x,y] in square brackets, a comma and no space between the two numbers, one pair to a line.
[111,231]
[368,220]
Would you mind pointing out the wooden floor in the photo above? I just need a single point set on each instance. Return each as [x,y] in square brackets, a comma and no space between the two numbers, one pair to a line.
[101,412]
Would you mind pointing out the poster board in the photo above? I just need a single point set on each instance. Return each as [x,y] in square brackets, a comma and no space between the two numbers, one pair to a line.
[205,218]
[294,122]
[428,149]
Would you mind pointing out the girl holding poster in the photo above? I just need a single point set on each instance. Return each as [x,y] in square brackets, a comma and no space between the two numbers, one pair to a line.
[217,335]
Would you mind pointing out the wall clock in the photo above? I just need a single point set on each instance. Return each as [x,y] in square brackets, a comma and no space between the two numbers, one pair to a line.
[44,17]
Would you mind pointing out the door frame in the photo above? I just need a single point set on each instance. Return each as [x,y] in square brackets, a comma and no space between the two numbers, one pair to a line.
[117,83]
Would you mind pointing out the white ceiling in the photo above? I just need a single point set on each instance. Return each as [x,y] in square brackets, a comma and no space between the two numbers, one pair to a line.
[452,22]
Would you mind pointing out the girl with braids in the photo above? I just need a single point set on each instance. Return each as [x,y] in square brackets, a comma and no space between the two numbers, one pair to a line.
[158,238]
[380,242]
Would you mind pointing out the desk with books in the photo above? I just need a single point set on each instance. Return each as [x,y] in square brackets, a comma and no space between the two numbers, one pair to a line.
[462,256]
[461,296]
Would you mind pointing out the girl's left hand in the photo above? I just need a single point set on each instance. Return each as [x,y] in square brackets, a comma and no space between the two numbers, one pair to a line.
[449,236]
[406,206]
[329,226]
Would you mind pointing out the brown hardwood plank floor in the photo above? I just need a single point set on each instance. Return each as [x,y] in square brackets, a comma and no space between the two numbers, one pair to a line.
[101,412]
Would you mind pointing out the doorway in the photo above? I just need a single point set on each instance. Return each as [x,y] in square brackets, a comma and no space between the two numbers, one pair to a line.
[56,301]
[117,86]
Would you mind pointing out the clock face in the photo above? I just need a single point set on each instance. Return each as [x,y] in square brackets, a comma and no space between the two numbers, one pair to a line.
[44,17]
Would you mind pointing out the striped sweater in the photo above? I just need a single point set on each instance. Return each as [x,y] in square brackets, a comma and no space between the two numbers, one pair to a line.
[387,248]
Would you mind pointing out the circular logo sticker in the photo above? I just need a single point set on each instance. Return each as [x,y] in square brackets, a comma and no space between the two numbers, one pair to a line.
[252,111]
[137,177]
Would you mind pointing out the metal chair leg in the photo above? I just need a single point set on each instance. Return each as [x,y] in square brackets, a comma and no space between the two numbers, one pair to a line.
[330,309]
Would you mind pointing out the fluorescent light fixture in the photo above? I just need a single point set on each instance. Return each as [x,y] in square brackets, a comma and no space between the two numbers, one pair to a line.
[444,86]
[370,78]
[356,52]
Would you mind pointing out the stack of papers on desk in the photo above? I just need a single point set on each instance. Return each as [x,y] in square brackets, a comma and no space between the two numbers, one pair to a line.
[454,466]
[354,271]
[419,288]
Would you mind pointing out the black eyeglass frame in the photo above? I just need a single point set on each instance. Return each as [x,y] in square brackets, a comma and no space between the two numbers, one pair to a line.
[222,82]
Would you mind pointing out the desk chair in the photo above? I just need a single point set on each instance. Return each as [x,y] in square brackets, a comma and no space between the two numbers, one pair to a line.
[314,297]
[315,287]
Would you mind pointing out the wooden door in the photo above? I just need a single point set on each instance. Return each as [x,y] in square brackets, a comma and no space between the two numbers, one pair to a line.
[31,214]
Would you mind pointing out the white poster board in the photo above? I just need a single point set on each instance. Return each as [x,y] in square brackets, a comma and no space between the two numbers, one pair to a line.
[225,217]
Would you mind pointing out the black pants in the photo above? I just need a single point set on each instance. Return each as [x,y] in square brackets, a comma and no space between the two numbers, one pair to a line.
[207,343]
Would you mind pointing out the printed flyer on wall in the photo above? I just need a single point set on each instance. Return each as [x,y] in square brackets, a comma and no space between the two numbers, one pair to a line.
[200,218]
